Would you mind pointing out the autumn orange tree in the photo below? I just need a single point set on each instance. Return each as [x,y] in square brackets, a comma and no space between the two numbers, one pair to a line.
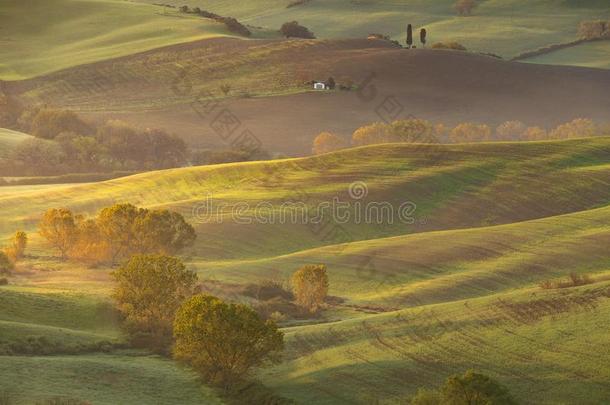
[126,230]
[115,234]
[224,341]
[310,287]
[470,132]
[58,227]
[149,290]
[327,142]
[16,248]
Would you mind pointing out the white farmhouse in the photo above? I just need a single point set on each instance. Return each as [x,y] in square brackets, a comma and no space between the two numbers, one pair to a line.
[319,86]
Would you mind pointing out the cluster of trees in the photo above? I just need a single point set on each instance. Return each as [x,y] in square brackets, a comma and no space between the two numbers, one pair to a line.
[423,131]
[222,341]
[116,233]
[231,23]
[595,29]
[157,296]
[64,143]
[293,29]
[469,389]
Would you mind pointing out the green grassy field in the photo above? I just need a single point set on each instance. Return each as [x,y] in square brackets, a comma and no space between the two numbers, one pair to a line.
[118,378]
[9,139]
[65,33]
[592,54]
[453,187]
[504,27]
[458,289]
[45,36]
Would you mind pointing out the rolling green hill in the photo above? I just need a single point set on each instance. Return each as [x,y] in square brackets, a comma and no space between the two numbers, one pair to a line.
[453,187]
[65,33]
[109,379]
[457,289]
[44,36]
[504,27]
[549,347]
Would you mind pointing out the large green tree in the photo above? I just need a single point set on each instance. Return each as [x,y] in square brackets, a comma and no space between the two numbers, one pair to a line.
[224,341]
[149,290]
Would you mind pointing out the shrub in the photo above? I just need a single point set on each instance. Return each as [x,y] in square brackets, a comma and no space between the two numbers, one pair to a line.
[310,287]
[294,30]
[150,288]
[17,245]
[327,142]
[223,341]
[474,389]
[449,45]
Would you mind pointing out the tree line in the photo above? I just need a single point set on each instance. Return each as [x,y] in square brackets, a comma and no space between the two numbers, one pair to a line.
[422,131]
[65,143]
[116,233]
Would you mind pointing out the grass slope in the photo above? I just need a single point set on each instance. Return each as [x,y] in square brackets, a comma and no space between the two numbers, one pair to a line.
[591,54]
[504,27]
[433,300]
[432,267]
[9,139]
[121,378]
[549,347]
[453,187]
[44,36]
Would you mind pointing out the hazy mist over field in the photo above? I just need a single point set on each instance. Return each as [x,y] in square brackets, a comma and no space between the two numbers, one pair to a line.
[305,202]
